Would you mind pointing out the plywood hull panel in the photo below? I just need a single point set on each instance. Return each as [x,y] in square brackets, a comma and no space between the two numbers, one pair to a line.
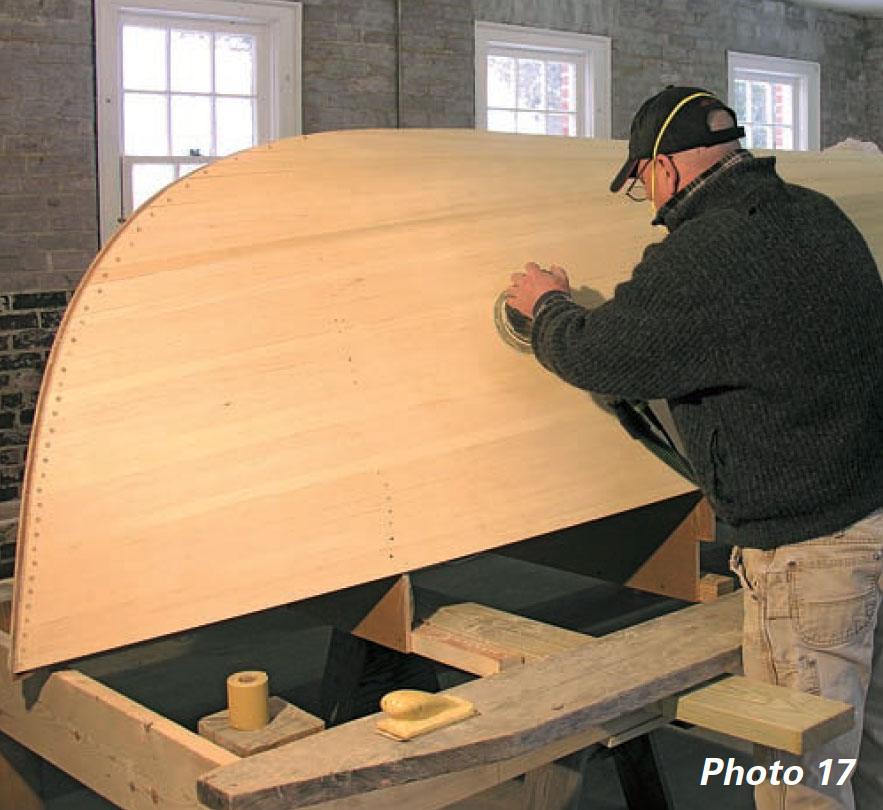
[282,378]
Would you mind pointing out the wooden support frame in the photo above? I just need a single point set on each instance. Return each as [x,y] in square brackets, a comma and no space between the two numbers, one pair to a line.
[140,760]
[657,549]
[132,756]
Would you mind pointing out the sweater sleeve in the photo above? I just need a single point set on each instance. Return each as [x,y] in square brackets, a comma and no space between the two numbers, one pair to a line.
[657,338]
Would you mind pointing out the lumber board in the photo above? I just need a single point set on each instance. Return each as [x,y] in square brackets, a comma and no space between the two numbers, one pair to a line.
[132,756]
[521,709]
[294,345]
[482,640]
[441,791]
[763,713]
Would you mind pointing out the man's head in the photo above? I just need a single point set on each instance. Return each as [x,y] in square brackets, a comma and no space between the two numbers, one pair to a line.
[674,136]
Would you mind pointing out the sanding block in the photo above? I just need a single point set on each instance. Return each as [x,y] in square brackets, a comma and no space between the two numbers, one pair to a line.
[411,713]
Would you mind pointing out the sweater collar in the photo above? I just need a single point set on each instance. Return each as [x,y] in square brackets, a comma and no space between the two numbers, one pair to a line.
[683,205]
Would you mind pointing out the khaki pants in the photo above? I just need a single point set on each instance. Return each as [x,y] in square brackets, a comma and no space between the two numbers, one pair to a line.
[813,623]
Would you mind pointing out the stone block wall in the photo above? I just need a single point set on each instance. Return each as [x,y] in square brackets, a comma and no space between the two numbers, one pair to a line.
[366,63]
[872,65]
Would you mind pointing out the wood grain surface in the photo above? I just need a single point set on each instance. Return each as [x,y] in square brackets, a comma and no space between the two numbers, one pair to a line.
[281,378]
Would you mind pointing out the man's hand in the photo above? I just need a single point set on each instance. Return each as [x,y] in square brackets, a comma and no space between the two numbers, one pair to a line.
[527,287]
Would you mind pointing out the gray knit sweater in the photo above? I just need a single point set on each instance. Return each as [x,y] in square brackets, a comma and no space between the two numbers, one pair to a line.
[760,319]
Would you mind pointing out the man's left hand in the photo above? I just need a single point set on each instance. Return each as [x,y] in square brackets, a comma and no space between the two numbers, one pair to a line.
[527,287]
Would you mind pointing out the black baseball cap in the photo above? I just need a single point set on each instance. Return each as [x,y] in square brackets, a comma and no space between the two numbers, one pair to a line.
[686,130]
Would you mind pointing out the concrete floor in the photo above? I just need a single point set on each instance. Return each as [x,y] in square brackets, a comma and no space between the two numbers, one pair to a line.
[562,598]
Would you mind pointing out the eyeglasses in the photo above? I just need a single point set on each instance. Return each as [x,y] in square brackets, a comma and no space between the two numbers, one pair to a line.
[635,192]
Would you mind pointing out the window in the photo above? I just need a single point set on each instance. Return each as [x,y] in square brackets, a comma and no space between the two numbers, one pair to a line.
[776,100]
[535,81]
[183,82]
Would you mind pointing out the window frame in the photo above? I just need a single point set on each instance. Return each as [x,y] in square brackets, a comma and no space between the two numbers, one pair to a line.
[805,77]
[280,90]
[592,54]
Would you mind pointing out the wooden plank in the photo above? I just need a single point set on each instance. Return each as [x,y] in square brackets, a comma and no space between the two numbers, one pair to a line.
[521,709]
[711,586]
[287,723]
[132,756]
[482,640]
[762,713]
[468,785]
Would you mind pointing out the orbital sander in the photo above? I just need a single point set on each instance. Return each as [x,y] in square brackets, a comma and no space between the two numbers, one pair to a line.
[636,416]
[512,326]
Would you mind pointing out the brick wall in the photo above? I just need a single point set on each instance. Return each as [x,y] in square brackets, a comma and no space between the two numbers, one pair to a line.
[27,327]
[349,65]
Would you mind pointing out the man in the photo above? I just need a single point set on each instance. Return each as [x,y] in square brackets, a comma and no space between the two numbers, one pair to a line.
[759,318]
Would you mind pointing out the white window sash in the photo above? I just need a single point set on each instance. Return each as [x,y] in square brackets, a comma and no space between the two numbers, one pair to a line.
[804,78]
[593,85]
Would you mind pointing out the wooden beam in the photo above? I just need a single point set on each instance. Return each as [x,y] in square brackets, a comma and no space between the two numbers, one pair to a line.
[520,710]
[482,640]
[762,713]
[441,791]
[132,756]
[711,586]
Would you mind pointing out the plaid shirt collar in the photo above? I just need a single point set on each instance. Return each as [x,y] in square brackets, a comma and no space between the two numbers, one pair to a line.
[677,200]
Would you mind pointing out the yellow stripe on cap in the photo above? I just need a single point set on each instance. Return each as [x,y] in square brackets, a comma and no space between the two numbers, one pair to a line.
[662,129]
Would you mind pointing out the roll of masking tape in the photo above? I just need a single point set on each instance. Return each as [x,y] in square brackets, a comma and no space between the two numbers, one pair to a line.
[247,695]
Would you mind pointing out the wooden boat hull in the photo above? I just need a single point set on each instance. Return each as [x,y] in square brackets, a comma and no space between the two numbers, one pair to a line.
[281,378]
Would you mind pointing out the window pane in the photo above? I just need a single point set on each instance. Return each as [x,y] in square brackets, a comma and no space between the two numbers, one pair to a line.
[500,121]
[148,178]
[561,125]
[500,81]
[759,137]
[531,123]
[784,104]
[740,106]
[784,138]
[235,123]
[531,84]
[191,125]
[191,61]
[760,102]
[561,85]
[144,58]
[145,124]
[234,64]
